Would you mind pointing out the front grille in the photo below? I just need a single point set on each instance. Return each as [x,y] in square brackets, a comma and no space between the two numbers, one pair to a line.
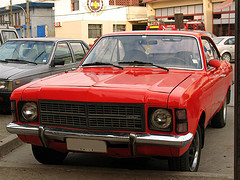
[99,116]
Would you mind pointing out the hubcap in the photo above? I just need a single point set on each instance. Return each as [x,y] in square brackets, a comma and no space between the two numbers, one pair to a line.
[194,152]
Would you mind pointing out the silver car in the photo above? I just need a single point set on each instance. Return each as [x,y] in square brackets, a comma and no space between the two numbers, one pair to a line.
[226,47]
[25,60]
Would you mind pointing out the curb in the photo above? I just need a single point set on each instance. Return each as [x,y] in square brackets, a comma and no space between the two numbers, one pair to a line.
[9,143]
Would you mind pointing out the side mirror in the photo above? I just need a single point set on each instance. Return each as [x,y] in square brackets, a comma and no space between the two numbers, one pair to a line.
[214,63]
[57,62]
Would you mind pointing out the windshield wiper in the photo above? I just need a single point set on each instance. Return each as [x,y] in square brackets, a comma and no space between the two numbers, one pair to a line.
[143,63]
[101,63]
[19,60]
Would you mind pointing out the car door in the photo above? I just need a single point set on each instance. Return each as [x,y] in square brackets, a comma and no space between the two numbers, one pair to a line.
[63,53]
[230,46]
[216,76]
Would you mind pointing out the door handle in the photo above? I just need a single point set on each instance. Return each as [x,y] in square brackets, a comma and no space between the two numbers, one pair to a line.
[223,75]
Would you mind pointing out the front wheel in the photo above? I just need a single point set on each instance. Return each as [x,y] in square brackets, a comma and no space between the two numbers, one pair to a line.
[190,160]
[48,156]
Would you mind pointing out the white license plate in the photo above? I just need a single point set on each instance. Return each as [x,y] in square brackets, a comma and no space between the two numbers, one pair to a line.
[86,145]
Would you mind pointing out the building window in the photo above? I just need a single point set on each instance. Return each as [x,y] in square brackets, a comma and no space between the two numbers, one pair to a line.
[94,30]
[75,5]
[119,27]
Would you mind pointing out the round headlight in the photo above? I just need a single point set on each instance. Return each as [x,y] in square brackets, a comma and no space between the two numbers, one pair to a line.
[161,118]
[29,111]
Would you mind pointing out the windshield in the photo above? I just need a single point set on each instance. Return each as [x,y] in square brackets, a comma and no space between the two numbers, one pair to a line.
[29,51]
[173,51]
[217,40]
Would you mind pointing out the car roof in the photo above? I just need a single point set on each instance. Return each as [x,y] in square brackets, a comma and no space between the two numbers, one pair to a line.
[147,32]
[225,37]
[44,39]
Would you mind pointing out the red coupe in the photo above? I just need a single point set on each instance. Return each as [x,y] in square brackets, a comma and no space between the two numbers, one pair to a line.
[135,94]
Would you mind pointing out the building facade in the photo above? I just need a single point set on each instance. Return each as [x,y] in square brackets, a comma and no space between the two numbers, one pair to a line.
[89,19]
[41,18]
[218,15]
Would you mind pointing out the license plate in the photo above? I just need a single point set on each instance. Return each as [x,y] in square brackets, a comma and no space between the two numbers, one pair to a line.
[86,145]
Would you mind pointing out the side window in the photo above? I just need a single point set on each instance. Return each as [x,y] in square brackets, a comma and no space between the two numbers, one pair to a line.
[230,41]
[63,52]
[9,35]
[78,50]
[209,51]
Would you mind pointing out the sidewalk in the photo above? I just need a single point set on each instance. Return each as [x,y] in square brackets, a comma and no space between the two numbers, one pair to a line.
[8,142]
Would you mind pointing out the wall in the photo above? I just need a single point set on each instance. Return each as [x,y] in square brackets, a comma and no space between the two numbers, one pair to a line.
[42,16]
[74,24]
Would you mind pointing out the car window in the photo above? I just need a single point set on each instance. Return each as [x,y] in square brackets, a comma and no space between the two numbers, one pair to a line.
[209,50]
[163,50]
[78,50]
[230,41]
[9,35]
[63,52]
[31,51]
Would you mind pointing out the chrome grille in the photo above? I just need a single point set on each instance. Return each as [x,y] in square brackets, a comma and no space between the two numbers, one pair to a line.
[99,116]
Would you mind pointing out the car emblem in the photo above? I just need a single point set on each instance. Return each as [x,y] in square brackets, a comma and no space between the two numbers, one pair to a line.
[95,5]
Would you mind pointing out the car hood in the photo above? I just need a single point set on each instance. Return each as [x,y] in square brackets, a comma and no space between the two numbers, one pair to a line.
[157,80]
[9,70]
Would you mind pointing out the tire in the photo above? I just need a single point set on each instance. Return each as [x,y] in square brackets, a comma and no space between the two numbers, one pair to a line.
[226,57]
[190,160]
[219,120]
[48,156]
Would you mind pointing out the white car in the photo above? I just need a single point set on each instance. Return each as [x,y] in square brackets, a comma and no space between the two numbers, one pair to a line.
[226,47]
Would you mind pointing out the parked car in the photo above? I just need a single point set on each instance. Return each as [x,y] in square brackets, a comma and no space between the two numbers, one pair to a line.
[226,46]
[146,93]
[26,60]
[6,33]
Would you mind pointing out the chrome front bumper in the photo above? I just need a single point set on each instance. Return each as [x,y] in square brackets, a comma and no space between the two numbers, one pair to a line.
[46,133]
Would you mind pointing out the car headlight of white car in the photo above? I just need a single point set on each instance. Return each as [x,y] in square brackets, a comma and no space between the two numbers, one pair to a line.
[6,85]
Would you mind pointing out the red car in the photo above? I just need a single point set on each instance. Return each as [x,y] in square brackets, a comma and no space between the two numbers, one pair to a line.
[135,94]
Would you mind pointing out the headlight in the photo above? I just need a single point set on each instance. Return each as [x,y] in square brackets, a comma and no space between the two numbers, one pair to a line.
[29,111]
[6,85]
[161,119]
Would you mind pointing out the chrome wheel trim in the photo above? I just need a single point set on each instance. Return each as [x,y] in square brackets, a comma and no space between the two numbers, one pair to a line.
[194,151]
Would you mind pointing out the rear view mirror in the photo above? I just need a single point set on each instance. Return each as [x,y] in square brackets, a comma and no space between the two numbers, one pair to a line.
[214,63]
[57,62]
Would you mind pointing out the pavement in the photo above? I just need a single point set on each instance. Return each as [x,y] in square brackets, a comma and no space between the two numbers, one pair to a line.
[9,142]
